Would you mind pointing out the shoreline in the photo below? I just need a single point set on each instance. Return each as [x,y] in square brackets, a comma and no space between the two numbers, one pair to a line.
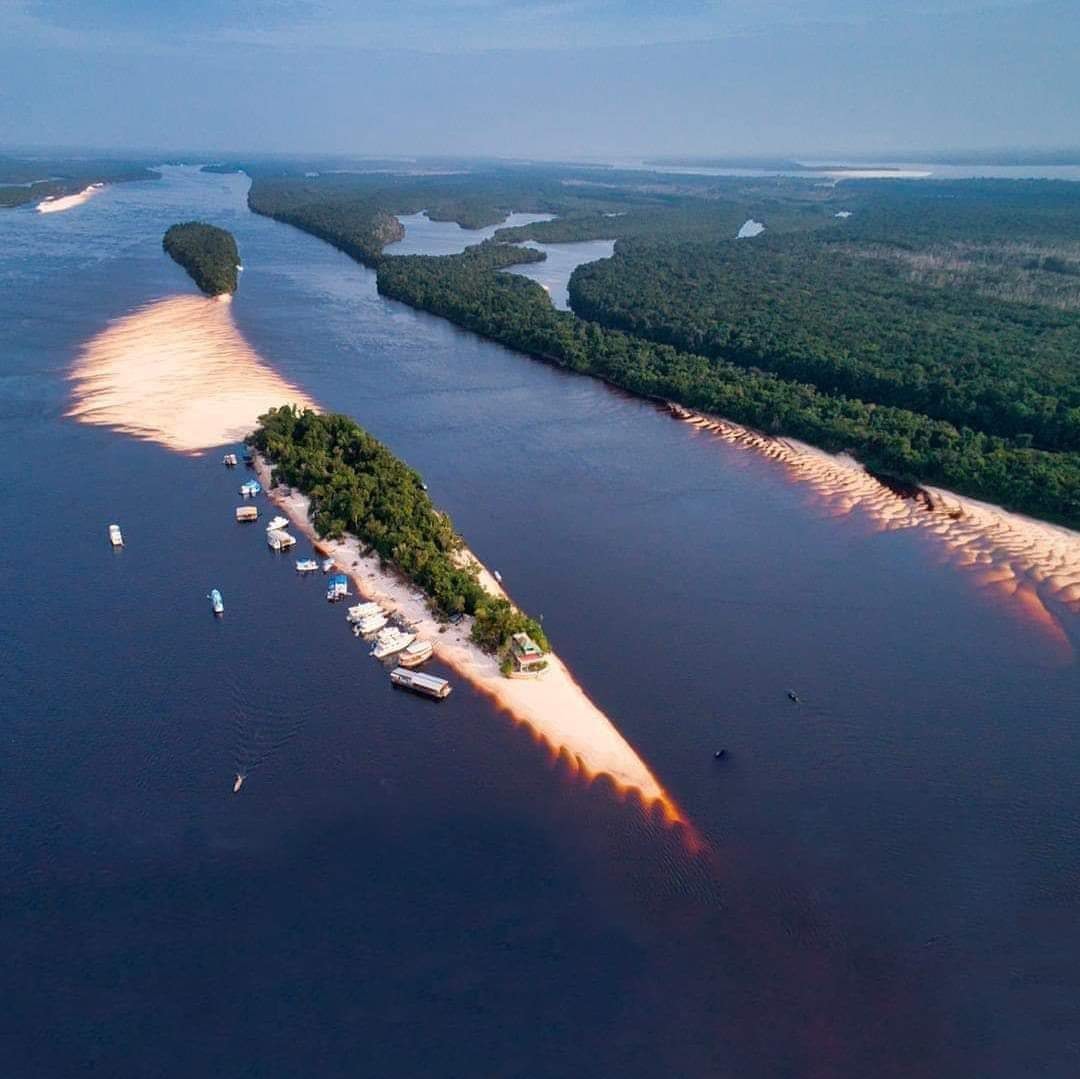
[58,203]
[554,707]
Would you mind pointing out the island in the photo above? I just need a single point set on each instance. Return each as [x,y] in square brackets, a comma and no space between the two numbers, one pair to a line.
[208,253]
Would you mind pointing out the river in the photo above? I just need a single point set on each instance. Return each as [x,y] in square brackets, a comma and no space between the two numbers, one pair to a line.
[887,883]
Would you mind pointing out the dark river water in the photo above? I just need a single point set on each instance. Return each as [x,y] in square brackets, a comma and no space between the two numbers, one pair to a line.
[889,877]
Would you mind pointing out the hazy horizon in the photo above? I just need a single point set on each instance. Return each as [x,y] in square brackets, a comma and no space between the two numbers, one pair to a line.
[591,79]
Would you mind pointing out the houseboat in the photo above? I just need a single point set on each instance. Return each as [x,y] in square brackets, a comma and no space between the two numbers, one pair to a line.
[369,624]
[278,524]
[391,640]
[306,565]
[337,587]
[426,685]
[115,536]
[247,513]
[230,460]
[416,653]
[250,488]
[217,605]
[280,541]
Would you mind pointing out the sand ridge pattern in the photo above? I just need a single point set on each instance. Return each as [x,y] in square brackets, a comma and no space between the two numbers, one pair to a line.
[179,373]
[1033,564]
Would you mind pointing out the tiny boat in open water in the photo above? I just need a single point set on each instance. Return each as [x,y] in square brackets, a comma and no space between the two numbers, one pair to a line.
[115,538]
[216,602]
[793,696]
[720,754]
[239,782]
[277,524]
[415,654]
[391,640]
[306,565]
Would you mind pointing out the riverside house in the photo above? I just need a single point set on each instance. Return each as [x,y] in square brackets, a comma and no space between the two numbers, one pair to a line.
[526,655]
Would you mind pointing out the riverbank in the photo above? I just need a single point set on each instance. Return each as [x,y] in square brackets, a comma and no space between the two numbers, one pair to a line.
[555,708]
[1032,564]
[59,203]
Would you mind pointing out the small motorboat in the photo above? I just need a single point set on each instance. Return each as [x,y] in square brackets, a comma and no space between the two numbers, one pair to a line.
[793,696]
[277,524]
[239,782]
[720,754]
[415,654]
[328,565]
[217,604]
[498,576]
[230,460]
[115,536]
[250,488]
[306,565]
[371,623]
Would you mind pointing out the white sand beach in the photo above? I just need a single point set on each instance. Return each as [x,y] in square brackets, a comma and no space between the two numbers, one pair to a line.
[58,204]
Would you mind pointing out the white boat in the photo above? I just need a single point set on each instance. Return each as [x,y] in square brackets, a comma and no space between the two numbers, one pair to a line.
[230,460]
[416,653]
[328,565]
[391,640]
[115,536]
[217,604]
[279,541]
[426,684]
[362,610]
[239,782]
[306,565]
[369,624]
[277,524]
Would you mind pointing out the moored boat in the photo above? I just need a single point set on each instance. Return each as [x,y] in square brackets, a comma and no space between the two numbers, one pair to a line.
[369,624]
[391,640]
[426,685]
[328,565]
[217,604]
[362,610]
[337,587]
[416,653]
[250,488]
[230,460]
[115,536]
[247,513]
[277,524]
[306,565]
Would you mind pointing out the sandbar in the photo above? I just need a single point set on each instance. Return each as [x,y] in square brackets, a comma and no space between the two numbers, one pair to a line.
[59,203]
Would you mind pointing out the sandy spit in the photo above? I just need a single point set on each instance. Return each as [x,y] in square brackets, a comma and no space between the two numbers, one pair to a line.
[554,707]
[57,204]
[179,373]
[1034,565]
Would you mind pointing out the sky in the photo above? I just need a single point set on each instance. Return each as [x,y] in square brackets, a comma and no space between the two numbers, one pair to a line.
[552,79]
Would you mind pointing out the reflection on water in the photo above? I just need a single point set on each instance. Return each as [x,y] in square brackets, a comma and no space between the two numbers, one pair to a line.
[177,372]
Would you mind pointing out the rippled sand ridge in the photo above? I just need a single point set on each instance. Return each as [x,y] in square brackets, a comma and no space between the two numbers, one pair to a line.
[177,372]
[1034,565]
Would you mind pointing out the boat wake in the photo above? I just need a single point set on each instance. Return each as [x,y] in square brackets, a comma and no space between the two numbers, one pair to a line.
[176,372]
[1032,565]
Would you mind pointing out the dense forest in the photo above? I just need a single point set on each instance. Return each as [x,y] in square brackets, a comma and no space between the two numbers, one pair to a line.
[209,255]
[823,314]
[27,180]
[357,485]
[906,445]
[928,327]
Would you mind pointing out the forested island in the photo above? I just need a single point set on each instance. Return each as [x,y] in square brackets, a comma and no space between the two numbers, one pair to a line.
[356,485]
[929,328]
[30,180]
[208,253]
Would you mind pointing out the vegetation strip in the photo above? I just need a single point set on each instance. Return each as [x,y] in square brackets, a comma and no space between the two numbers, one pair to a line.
[209,255]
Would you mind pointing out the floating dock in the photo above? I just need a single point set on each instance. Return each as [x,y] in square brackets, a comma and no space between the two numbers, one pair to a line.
[427,685]
[280,541]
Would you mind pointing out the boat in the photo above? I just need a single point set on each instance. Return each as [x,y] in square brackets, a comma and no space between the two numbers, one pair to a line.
[416,653]
[327,565]
[337,587]
[498,576]
[369,624]
[306,565]
[391,640]
[250,488]
[247,513]
[115,536]
[240,777]
[230,460]
[280,541]
[277,524]
[362,610]
[216,602]
[720,754]
[426,685]
[793,696]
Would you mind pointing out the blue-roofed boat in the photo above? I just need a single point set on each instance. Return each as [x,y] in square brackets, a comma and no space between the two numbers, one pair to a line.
[250,487]
[216,602]
[337,586]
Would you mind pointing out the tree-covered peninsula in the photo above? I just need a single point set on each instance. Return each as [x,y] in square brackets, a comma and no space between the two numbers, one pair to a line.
[209,255]
[357,485]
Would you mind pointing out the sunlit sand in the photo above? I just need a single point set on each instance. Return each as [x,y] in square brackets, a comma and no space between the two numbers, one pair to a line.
[1033,565]
[177,372]
[68,202]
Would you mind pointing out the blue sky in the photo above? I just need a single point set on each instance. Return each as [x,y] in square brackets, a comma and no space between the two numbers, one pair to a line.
[546,78]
